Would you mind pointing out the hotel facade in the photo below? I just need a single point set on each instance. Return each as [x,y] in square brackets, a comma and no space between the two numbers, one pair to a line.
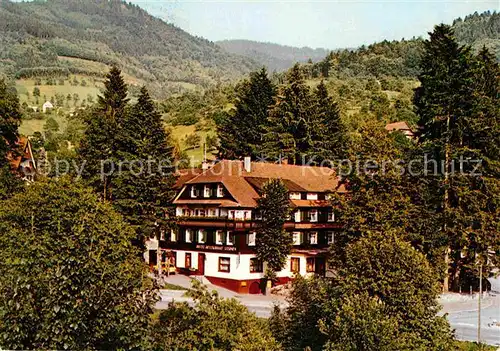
[217,221]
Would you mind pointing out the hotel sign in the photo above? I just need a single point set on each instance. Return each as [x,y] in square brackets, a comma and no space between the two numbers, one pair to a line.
[215,248]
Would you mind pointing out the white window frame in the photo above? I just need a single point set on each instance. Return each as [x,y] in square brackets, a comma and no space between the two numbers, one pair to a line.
[330,237]
[188,236]
[219,237]
[331,216]
[252,238]
[202,233]
[193,191]
[220,190]
[212,212]
[297,216]
[206,191]
[315,212]
[313,238]
[295,196]
[229,238]
[296,238]
[312,196]
[173,235]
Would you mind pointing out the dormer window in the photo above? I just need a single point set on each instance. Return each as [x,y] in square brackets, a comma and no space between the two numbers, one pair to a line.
[194,191]
[220,190]
[312,196]
[206,191]
[294,196]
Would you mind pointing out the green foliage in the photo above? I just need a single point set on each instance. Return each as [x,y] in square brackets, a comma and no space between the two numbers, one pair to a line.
[60,37]
[212,323]
[383,297]
[143,193]
[10,119]
[273,243]
[71,278]
[458,109]
[192,141]
[241,134]
[292,121]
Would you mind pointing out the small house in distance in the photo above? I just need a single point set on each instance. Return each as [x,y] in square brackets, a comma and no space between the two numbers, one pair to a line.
[23,163]
[402,127]
[47,106]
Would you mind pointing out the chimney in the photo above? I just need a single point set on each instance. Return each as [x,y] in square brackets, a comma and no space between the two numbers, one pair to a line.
[247,164]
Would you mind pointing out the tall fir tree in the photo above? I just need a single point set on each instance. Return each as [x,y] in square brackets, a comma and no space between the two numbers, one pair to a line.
[143,187]
[456,114]
[241,134]
[98,149]
[10,119]
[292,121]
[331,138]
[273,243]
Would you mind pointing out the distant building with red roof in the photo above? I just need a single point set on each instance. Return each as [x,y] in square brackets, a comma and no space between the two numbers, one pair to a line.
[402,127]
[23,162]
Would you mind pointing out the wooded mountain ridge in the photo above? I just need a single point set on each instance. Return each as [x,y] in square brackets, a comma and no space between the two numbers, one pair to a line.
[273,56]
[64,36]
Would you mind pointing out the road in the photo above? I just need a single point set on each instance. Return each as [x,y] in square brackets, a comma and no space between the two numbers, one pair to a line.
[465,321]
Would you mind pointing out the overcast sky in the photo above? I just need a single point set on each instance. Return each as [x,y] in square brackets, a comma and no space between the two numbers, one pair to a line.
[320,23]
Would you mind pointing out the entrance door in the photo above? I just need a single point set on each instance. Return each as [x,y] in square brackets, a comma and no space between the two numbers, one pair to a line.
[201,264]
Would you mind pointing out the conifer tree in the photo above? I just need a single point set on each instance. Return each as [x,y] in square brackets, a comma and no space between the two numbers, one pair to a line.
[10,119]
[98,149]
[241,134]
[292,121]
[330,139]
[457,118]
[273,243]
[143,187]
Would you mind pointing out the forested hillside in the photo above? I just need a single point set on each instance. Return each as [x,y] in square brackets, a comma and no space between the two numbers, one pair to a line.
[273,56]
[59,37]
[478,30]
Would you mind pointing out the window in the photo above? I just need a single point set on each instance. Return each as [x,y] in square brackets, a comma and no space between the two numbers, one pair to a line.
[330,237]
[220,190]
[162,234]
[313,215]
[256,265]
[297,216]
[200,212]
[194,191]
[179,211]
[258,215]
[248,215]
[331,216]
[296,238]
[189,235]
[312,196]
[295,265]
[187,261]
[313,238]
[206,191]
[173,236]
[231,214]
[230,238]
[223,212]
[295,196]
[219,237]
[251,239]
[212,212]
[310,264]
[224,264]
[202,236]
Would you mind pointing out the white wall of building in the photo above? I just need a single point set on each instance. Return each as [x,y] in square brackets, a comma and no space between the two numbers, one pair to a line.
[240,265]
